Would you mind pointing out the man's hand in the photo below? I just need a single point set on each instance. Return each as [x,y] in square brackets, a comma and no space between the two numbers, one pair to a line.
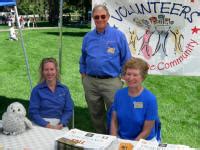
[83,75]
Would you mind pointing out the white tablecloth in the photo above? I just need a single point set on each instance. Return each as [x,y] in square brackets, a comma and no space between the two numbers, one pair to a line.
[38,138]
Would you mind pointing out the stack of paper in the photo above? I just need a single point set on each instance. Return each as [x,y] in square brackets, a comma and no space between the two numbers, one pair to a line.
[148,145]
[77,139]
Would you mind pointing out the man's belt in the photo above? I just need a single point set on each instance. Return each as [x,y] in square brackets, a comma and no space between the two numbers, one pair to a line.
[100,77]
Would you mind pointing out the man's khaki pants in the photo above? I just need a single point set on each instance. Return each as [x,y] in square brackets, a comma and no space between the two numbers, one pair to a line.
[99,94]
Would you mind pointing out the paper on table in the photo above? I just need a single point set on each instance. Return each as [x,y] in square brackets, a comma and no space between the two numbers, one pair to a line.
[87,140]
[148,145]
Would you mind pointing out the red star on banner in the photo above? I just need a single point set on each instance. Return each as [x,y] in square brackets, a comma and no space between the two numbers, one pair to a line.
[195,30]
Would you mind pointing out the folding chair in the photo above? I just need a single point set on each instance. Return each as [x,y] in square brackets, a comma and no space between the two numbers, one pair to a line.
[158,130]
[73,119]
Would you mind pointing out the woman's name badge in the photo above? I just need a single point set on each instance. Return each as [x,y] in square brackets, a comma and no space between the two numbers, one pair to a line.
[138,104]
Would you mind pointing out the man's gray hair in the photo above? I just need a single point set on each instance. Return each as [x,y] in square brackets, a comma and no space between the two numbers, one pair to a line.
[100,6]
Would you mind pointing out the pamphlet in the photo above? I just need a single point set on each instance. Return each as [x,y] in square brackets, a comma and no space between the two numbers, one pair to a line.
[78,140]
[148,145]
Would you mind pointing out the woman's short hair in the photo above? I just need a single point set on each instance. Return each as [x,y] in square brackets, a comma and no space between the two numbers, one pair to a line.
[137,63]
[100,6]
[41,68]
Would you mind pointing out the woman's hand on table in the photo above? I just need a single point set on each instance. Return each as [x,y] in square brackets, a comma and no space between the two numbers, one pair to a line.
[50,126]
[59,126]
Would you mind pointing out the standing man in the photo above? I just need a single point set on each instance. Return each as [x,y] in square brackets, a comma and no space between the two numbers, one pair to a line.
[104,51]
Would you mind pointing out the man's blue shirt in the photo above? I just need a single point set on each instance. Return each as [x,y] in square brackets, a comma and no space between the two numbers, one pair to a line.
[104,54]
[133,111]
[47,104]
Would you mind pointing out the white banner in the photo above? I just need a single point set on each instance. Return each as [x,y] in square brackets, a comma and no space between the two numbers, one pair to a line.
[166,33]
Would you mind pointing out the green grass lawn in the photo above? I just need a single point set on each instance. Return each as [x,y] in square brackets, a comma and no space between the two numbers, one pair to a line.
[2,26]
[178,97]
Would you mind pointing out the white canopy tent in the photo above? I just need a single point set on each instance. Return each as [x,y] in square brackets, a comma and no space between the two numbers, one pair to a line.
[13,3]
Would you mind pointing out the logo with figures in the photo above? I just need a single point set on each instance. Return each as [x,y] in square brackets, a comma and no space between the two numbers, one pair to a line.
[164,33]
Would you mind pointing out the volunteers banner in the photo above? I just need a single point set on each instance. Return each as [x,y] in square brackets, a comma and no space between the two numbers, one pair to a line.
[165,33]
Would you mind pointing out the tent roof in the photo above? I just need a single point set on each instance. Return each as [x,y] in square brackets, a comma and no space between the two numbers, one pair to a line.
[7,2]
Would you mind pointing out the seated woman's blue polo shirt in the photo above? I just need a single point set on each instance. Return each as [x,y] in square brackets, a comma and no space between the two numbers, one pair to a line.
[47,104]
[133,111]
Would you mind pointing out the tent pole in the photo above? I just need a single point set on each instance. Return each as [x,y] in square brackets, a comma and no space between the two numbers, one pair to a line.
[60,49]
[24,50]
[60,29]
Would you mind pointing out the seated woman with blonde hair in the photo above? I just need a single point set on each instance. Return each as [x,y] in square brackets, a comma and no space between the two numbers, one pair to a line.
[135,108]
[51,105]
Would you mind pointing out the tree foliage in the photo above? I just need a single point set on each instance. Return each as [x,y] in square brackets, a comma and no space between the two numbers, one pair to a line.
[51,8]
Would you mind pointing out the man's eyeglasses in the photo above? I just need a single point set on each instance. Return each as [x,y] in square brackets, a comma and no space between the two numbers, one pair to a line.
[97,17]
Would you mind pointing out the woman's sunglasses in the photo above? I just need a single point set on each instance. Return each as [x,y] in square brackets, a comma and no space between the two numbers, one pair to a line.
[97,17]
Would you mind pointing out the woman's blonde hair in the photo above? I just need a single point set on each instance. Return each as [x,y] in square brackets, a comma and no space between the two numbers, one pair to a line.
[41,68]
[137,63]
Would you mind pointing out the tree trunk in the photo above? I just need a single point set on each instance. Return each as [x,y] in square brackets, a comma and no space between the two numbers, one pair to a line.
[53,11]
